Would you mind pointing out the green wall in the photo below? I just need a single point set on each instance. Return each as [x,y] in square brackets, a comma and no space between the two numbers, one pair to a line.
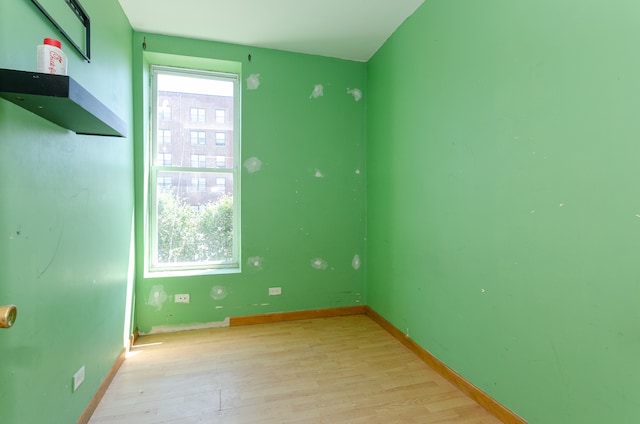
[66,225]
[503,203]
[289,215]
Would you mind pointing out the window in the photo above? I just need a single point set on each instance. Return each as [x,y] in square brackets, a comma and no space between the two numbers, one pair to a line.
[197,114]
[165,159]
[199,183]
[165,183]
[164,136]
[164,112]
[198,161]
[220,116]
[198,137]
[221,139]
[221,184]
[193,203]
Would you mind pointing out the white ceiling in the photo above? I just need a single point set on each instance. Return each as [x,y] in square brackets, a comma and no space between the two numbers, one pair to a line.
[346,29]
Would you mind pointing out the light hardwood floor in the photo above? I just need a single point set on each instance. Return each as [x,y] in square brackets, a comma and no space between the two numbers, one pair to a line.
[329,370]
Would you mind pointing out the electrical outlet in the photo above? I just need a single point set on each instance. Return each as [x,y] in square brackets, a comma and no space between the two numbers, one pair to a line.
[78,378]
[182,298]
[275,291]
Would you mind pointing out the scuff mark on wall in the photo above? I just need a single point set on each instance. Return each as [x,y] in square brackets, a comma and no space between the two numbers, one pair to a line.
[356,93]
[253,82]
[218,292]
[319,263]
[255,262]
[53,256]
[355,263]
[253,164]
[318,91]
[157,297]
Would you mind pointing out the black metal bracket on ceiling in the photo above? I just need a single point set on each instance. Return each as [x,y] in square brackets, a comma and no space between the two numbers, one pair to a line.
[79,11]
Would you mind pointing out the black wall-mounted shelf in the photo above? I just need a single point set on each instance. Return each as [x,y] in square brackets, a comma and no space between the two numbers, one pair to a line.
[61,100]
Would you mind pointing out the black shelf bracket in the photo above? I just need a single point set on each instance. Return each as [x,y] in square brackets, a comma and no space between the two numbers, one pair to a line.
[61,100]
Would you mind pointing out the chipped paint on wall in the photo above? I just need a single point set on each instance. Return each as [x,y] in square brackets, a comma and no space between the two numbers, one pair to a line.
[356,93]
[161,329]
[157,297]
[318,174]
[318,91]
[255,262]
[218,292]
[253,164]
[319,263]
[253,82]
[355,263]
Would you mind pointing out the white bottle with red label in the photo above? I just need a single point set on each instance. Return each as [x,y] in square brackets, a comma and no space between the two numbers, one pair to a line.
[51,58]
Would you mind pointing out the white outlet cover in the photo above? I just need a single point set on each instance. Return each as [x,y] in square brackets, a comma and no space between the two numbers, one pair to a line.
[182,298]
[275,291]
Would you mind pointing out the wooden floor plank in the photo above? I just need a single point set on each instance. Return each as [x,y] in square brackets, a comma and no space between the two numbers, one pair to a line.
[330,370]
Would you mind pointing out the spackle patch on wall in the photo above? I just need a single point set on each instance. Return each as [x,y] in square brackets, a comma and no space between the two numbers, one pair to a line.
[318,91]
[255,262]
[319,263]
[355,263]
[253,82]
[356,93]
[253,164]
[157,297]
[218,292]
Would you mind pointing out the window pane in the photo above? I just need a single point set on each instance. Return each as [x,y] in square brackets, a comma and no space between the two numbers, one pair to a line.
[195,217]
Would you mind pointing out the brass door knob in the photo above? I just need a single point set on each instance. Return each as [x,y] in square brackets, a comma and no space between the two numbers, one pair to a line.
[8,315]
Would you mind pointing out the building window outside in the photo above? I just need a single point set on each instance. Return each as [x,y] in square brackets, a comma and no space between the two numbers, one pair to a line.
[220,116]
[199,183]
[164,113]
[198,137]
[197,114]
[221,184]
[198,161]
[194,204]
[221,139]
[165,183]
[165,159]
[164,136]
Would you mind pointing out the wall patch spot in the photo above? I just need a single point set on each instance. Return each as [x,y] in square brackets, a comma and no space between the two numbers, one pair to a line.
[218,292]
[356,93]
[357,172]
[355,263]
[318,91]
[253,82]
[319,263]
[253,164]
[157,297]
[255,262]
[319,174]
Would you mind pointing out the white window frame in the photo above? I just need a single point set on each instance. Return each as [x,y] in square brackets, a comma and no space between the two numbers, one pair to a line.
[152,268]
